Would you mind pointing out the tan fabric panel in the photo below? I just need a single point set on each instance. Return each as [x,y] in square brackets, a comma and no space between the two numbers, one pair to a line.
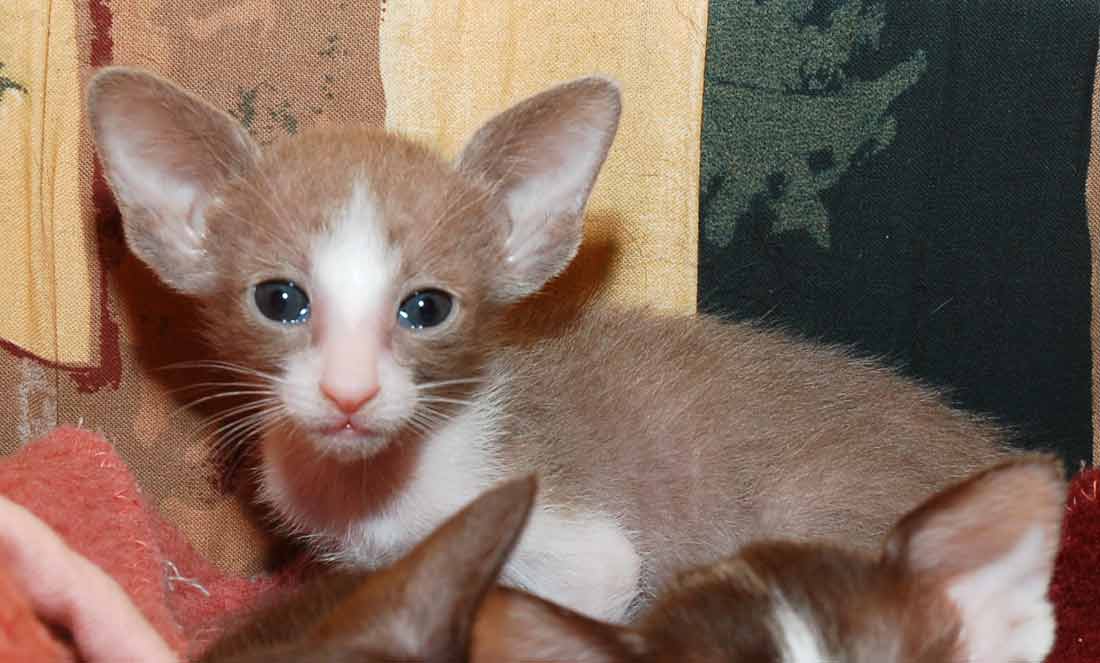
[39,184]
[448,66]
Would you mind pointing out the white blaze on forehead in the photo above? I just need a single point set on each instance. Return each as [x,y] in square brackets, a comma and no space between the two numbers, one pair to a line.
[354,265]
[799,641]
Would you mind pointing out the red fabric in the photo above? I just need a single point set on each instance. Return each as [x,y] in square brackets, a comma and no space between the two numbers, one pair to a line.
[77,484]
[1075,588]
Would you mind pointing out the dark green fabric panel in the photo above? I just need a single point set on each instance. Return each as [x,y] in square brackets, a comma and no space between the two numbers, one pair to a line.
[907,176]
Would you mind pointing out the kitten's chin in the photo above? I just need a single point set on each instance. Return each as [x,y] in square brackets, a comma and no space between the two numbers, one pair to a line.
[345,443]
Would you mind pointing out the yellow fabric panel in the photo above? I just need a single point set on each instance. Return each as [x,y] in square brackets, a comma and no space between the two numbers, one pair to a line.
[449,66]
[47,300]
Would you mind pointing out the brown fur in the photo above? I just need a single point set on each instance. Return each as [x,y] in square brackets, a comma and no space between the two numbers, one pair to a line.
[890,608]
[763,435]
[696,436]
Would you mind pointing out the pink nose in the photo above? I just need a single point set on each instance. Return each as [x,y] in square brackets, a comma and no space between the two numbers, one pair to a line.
[349,401]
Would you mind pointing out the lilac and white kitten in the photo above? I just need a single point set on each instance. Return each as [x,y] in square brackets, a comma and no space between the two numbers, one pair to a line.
[367,290]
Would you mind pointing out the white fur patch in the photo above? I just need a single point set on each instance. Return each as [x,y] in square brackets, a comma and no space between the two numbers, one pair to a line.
[1005,611]
[299,390]
[583,561]
[457,465]
[354,265]
[798,641]
[352,284]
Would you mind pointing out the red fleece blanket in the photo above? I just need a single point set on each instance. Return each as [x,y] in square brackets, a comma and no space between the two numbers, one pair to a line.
[75,483]
[78,485]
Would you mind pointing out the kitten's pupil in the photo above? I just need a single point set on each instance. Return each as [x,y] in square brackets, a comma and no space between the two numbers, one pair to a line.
[425,308]
[282,301]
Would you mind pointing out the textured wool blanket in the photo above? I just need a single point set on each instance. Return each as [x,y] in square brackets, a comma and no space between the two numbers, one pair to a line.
[123,577]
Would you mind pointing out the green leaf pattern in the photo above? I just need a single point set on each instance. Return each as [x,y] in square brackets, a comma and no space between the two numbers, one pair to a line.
[800,119]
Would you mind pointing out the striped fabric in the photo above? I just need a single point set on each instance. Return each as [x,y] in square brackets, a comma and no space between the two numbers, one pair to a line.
[905,177]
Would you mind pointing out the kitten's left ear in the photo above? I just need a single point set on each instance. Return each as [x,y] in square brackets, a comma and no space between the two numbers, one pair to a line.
[542,157]
[990,544]
[424,605]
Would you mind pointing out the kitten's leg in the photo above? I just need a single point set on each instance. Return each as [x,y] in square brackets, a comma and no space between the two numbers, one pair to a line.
[585,562]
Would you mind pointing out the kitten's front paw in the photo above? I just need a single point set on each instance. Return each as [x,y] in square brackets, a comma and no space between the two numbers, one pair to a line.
[584,562]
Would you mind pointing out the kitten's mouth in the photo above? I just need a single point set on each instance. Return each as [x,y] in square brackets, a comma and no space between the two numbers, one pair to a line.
[346,439]
[347,428]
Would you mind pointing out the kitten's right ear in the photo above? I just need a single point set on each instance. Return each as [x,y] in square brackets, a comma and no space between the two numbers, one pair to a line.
[990,544]
[514,626]
[165,153]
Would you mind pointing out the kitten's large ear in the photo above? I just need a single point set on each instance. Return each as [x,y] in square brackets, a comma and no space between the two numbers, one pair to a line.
[542,157]
[990,543]
[165,154]
[514,626]
[424,606]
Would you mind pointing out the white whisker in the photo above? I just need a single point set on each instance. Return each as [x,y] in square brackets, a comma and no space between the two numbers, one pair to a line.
[239,410]
[440,399]
[448,383]
[203,385]
[222,394]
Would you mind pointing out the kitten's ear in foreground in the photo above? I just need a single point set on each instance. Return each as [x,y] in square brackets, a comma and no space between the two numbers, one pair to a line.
[423,607]
[514,626]
[990,544]
[541,157]
[165,153]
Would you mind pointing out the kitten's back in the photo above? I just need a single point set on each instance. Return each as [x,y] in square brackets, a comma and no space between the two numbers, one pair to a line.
[743,421]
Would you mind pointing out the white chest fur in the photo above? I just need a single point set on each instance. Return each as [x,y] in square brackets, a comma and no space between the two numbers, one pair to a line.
[583,561]
[322,498]
[580,559]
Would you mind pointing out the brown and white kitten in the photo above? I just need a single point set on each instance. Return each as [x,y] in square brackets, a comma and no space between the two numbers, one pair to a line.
[963,577]
[366,289]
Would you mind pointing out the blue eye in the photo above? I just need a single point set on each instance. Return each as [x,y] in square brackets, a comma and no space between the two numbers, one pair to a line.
[282,302]
[425,308]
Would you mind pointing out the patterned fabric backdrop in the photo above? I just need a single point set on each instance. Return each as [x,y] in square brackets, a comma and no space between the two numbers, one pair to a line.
[908,177]
[87,332]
